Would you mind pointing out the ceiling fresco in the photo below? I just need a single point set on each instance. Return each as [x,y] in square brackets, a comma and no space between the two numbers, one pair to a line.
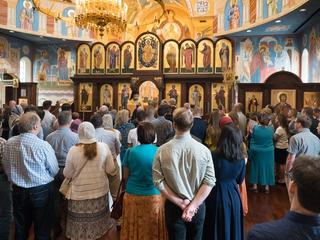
[192,18]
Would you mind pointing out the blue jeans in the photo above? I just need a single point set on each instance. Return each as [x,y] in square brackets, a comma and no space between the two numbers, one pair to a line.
[5,207]
[33,205]
[180,230]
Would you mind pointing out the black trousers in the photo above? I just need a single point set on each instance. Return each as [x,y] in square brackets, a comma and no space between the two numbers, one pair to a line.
[33,205]
[60,204]
[180,230]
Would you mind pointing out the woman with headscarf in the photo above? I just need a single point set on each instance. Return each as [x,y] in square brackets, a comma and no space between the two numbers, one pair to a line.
[91,168]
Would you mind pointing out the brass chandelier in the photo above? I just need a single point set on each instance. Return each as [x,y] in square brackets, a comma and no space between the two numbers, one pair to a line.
[102,15]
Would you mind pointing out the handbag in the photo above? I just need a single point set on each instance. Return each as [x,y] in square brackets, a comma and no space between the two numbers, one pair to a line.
[117,206]
[65,187]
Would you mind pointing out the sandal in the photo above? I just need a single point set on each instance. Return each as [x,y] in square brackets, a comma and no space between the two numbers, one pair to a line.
[266,190]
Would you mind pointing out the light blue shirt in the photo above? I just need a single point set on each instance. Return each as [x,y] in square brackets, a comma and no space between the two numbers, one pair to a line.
[139,161]
[29,161]
[110,138]
[61,141]
[304,143]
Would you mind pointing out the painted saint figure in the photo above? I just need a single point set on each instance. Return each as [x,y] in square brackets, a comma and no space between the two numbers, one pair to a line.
[124,96]
[106,95]
[224,57]
[44,66]
[127,59]
[206,51]
[113,57]
[148,52]
[173,93]
[253,104]
[188,57]
[220,97]
[234,15]
[26,16]
[97,58]
[171,59]
[272,7]
[83,60]
[84,97]
[196,96]
[62,66]
[283,97]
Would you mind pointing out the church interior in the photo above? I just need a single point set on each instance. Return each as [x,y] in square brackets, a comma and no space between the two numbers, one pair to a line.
[203,55]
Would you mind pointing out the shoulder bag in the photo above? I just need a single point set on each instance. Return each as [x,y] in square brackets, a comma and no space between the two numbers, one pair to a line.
[65,187]
[117,206]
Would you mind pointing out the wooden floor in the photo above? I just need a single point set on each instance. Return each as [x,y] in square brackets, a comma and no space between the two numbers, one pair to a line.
[262,207]
[266,207]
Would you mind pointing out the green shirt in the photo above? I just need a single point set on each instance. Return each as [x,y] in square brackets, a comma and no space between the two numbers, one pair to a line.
[183,164]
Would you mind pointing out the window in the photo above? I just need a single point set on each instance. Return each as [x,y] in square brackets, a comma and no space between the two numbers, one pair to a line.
[305,66]
[25,70]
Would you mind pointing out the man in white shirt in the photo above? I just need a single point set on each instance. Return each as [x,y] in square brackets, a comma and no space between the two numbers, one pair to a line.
[133,136]
[238,108]
[48,120]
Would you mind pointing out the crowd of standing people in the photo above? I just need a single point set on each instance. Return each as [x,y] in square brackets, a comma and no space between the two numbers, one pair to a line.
[183,175]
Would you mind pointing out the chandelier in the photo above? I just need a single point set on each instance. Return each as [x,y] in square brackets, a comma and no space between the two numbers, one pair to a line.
[102,15]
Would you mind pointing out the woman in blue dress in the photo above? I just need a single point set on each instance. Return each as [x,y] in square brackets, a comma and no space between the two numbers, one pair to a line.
[261,155]
[224,214]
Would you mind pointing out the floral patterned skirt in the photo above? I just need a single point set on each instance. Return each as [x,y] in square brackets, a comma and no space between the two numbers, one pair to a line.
[143,218]
[88,219]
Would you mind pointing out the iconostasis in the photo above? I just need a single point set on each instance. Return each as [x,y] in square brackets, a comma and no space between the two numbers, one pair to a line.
[183,71]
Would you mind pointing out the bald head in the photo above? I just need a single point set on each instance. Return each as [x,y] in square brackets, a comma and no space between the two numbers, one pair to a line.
[29,123]
[103,110]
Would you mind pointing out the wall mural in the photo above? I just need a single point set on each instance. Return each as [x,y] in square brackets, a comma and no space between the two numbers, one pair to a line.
[52,68]
[26,17]
[311,42]
[271,8]
[259,57]
[11,50]
[233,13]
[171,28]
[69,29]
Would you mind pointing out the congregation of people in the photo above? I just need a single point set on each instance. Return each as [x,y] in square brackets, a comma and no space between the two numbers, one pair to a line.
[175,173]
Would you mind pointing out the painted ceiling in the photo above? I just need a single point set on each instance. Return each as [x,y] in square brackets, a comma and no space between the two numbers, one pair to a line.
[188,19]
